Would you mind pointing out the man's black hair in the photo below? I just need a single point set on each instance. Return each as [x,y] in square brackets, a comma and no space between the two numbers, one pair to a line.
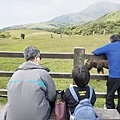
[114,38]
[81,76]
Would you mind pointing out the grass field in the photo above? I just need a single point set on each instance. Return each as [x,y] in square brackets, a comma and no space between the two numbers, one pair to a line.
[45,43]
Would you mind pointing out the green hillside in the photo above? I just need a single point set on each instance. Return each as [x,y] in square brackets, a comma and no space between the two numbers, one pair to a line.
[110,17]
[107,24]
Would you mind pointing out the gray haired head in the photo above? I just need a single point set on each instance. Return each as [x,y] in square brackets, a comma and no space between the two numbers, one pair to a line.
[31,52]
[114,38]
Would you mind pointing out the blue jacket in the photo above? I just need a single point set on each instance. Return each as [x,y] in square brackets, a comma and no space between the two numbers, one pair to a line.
[112,52]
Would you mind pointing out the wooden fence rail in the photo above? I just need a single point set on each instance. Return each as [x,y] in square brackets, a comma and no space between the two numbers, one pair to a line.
[78,57]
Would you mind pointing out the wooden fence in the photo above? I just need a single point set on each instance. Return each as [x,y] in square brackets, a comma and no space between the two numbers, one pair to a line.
[78,58]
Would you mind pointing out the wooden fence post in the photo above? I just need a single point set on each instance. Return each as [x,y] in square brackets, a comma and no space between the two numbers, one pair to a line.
[79,56]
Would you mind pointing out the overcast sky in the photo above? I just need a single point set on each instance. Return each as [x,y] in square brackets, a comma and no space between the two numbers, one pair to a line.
[16,12]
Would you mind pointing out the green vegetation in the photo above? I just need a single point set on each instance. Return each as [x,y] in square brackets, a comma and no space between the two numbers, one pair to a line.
[107,24]
[110,17]
[5,35]
[107,27]
[45,43]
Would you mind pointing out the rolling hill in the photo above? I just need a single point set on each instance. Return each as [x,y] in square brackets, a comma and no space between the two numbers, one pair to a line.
[107,24]
[115,16]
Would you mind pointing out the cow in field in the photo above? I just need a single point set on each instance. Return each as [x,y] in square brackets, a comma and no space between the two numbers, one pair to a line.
[99,64]
[22,36]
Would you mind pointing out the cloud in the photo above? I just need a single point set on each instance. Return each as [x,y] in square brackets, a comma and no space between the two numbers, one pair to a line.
[14,12]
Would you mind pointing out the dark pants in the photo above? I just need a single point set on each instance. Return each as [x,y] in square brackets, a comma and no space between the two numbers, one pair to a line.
[113,85]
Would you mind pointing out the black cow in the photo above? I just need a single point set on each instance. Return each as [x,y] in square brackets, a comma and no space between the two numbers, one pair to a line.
[22,36]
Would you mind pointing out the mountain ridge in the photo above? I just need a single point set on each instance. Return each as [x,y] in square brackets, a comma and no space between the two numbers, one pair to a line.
[91,13]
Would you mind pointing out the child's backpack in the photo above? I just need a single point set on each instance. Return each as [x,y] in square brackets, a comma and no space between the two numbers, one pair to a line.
[84,110]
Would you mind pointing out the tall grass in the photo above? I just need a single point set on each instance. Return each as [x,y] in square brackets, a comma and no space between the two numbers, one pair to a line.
[45,43]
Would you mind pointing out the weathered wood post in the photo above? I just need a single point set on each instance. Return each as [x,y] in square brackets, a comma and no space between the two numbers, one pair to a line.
[79,56]
[51,36]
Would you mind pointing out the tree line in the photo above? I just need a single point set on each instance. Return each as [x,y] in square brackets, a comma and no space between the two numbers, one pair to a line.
[108,27]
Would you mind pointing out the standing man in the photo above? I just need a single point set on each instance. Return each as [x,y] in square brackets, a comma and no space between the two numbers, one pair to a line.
[31,89]
[112,52]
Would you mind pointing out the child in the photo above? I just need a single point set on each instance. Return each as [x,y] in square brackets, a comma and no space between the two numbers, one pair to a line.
[81,77]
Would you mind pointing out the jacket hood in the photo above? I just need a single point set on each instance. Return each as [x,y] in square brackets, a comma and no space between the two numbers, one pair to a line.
[31,65]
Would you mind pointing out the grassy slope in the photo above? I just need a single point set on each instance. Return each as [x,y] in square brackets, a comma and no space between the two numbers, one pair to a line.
[43,41]
[110,17]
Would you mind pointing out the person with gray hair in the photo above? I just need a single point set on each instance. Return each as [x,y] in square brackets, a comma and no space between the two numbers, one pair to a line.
[112,52]
[31,90]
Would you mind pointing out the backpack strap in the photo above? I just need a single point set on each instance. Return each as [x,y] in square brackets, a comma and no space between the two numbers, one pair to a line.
[91,93]
[75,95]
[72,91]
